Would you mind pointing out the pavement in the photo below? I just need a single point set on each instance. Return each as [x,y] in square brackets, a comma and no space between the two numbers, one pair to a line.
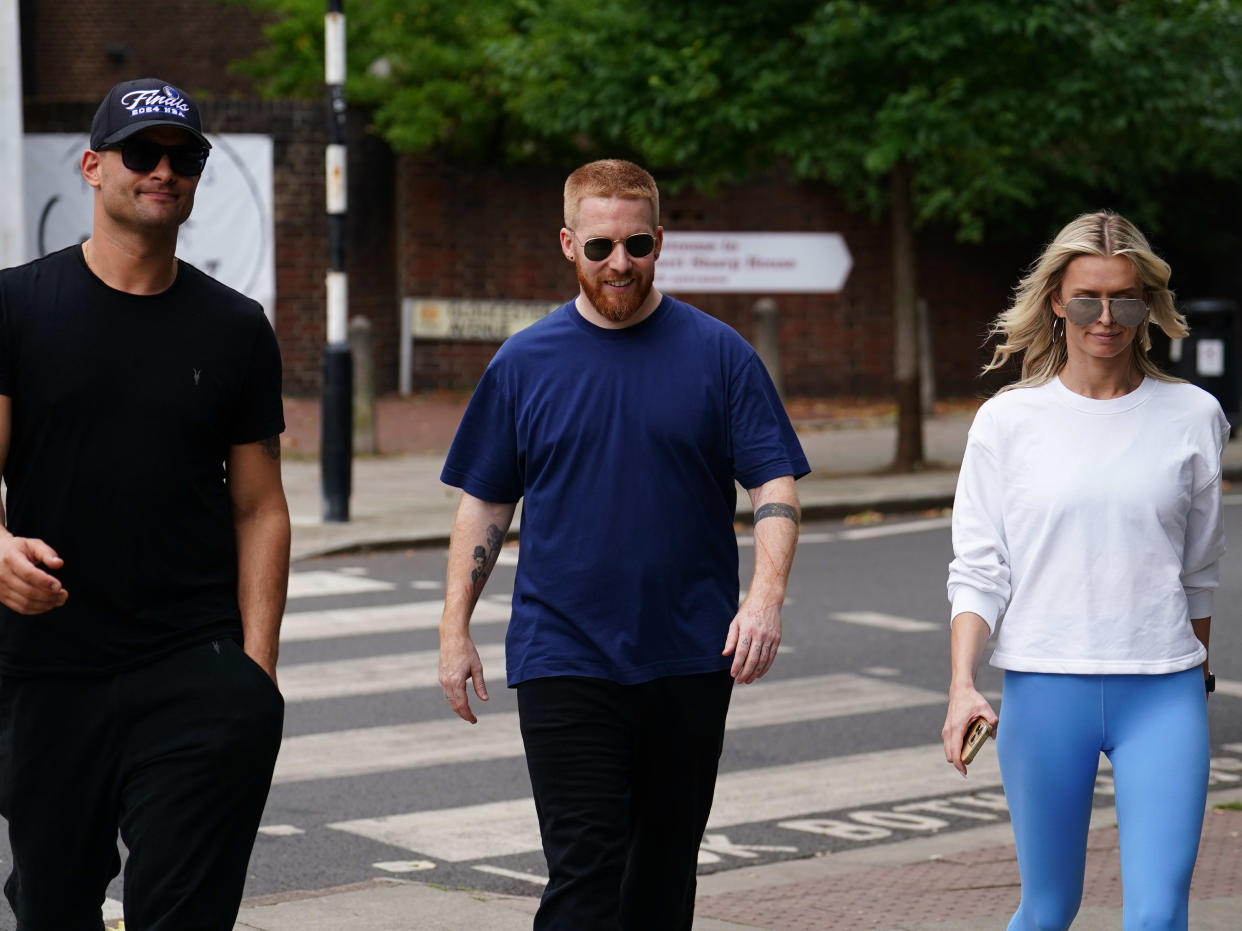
[959,881]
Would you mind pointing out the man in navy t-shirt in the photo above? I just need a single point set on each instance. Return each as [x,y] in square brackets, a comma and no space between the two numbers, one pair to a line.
[622,421]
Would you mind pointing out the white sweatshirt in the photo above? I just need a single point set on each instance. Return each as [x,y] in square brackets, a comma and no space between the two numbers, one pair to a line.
[1092,527]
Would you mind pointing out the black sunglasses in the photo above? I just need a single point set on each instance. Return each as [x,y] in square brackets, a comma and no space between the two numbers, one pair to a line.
[142,155]
[639,246]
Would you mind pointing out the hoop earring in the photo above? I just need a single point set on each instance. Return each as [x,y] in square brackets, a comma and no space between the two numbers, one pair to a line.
[1058,329]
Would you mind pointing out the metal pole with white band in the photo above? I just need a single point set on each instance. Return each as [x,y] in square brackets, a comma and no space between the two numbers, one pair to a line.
[336,426]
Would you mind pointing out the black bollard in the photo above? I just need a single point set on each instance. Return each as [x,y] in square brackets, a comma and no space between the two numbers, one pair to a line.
[336,431]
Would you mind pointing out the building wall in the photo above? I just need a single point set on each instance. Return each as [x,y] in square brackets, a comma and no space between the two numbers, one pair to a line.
[77,49]
[486,232]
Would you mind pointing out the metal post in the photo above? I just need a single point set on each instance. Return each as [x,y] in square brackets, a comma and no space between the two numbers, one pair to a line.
[927,363]
[361,350]
[12,171]
[767,341]
[336,434]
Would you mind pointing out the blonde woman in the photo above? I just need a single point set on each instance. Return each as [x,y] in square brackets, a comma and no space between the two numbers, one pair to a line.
[1088,518]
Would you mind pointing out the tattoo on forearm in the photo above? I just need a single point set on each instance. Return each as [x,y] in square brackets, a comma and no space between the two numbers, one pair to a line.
[776,509]
[271,447]
[485,557]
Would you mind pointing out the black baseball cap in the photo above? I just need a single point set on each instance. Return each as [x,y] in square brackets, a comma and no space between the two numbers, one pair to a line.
[133,106]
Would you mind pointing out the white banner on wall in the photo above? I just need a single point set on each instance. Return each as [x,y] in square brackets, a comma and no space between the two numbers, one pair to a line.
[230,235]
[753,263]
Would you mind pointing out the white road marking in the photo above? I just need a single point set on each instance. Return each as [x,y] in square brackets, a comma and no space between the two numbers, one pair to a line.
[904,625]
[432,743]
[426,585]
[380,619]
[404,866]
[512,874]
[493,829]
[715,847]
[863,533]
[1229,687]
[280,830]
[399,746]
[497,829]
[890,530]
[394,672]
[321,582]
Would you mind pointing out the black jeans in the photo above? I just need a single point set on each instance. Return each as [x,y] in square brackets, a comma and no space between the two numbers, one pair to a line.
[623,777]
[177,754]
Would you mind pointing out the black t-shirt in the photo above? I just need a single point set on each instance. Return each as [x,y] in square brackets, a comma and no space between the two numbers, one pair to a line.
[124,409]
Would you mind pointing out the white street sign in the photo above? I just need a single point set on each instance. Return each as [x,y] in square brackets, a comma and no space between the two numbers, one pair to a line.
[753,263]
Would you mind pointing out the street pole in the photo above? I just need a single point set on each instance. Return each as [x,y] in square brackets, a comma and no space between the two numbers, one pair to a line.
[336,426]
[12,171]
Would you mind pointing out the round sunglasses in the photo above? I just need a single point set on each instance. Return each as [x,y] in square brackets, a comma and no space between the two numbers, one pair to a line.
[142,155]
[1084,311]
[640,245]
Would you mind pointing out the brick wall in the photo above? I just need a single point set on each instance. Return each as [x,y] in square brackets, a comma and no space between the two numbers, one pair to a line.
[484,232]
[77,49]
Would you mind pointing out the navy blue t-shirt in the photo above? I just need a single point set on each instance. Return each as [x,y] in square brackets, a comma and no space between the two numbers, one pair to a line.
[624,445]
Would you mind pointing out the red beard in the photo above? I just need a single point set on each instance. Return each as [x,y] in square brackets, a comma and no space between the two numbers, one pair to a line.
[617,307]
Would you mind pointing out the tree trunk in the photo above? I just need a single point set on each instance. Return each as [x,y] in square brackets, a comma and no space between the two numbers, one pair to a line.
[905,329]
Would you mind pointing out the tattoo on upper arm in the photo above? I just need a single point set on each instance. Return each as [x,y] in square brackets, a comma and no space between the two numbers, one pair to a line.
[776,509]
[271,447]
[485,557]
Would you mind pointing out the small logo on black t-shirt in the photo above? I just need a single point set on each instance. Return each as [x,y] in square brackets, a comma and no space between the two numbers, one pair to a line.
[197,374]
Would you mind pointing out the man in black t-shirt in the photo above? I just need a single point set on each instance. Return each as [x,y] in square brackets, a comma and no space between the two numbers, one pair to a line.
[144,552]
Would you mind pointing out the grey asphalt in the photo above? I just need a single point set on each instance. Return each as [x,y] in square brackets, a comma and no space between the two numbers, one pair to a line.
[398,501]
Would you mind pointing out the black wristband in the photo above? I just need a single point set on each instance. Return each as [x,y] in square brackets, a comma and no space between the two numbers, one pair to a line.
[1209,683]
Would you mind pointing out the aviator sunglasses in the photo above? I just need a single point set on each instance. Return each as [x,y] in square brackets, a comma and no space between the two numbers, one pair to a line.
[639,246]
[142,155]
[1084,311]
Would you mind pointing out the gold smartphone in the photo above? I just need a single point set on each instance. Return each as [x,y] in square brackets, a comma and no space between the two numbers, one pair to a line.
[977,732]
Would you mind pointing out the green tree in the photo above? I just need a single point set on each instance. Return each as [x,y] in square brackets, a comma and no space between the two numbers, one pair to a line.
[422,69]
[957,112]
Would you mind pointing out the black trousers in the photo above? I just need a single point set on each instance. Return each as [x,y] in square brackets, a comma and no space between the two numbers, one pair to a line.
[623,777]
[177,755]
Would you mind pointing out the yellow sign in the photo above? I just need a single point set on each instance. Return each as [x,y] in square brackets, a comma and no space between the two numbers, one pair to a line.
[481,320]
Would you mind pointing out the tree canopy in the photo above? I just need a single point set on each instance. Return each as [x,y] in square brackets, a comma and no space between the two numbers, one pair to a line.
[974,114]
[996,106]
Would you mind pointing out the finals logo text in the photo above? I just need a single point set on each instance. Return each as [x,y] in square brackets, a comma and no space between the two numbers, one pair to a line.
[167,100]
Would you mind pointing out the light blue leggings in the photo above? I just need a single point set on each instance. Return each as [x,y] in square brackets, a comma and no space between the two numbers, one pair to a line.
[1154,730]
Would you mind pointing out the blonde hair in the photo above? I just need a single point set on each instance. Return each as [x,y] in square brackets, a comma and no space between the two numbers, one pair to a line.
[610,177]
[1028,325]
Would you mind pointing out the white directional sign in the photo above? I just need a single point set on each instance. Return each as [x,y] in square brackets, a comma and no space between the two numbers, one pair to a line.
[753,263]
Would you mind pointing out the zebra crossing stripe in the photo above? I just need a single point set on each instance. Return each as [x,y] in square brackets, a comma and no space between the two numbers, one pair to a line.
[321,582]
[1228,687]
[902,625]
[497,829]
[512,874]
[371,675]
[432,743]
[381,619]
